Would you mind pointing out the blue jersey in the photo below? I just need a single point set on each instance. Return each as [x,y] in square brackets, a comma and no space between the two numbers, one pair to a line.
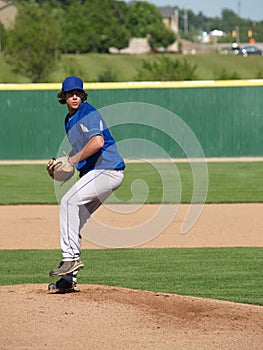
[80,127]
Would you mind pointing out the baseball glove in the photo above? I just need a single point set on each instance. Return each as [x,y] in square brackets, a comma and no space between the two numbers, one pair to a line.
[60,169]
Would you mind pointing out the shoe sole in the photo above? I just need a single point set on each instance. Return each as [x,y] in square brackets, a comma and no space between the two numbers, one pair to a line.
[74,268]
[65,291]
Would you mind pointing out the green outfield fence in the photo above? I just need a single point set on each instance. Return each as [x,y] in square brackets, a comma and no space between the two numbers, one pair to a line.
[225,116]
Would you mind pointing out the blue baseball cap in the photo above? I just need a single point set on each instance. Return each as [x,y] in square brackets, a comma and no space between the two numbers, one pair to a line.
[72,83]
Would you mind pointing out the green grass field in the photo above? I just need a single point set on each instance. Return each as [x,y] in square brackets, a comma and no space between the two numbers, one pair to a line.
[124,67]
[233,274]
[237,182]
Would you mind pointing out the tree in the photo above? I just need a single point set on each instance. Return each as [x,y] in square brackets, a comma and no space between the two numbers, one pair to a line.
[33,45]
[108,20]
[145,19]
[78,32]
[3,38]
[94,26]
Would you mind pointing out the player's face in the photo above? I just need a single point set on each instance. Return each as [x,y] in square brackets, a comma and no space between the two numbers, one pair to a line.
[73,100]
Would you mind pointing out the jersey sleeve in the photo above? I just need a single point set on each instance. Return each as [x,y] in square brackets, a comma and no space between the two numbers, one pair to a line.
[92,124]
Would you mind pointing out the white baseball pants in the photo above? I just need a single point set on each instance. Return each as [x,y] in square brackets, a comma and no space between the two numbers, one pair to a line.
[77,205]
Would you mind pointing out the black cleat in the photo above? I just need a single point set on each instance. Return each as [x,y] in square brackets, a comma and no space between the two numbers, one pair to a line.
[62,286]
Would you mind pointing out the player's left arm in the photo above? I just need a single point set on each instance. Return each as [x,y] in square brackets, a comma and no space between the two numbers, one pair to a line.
[94,144]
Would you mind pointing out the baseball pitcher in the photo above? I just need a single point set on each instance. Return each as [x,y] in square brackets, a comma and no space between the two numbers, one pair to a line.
[101,170]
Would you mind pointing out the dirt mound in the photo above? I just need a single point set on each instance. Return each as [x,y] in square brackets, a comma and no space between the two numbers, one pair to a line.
[100,317]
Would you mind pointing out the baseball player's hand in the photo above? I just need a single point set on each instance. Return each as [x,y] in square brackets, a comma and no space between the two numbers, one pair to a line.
[50,166]
[60,169]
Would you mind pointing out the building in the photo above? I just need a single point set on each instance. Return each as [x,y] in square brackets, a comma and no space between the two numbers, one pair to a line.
[171,20]
[8,11]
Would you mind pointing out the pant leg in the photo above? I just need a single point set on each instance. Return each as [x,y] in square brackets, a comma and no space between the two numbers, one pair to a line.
[89,192]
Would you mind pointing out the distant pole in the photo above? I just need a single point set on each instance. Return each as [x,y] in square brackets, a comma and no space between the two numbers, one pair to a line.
[237,35]
[239,8]
[185,20]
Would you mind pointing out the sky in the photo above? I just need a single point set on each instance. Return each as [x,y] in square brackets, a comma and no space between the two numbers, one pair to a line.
[252,9]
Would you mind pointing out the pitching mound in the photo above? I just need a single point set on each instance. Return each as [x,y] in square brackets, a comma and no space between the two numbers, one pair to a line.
[99,317]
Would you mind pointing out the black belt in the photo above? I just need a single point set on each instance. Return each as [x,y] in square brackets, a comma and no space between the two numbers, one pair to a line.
[120,169]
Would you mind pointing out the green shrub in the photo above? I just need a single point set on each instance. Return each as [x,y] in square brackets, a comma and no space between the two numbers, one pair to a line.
[164,68]
[108,75]
[225,75]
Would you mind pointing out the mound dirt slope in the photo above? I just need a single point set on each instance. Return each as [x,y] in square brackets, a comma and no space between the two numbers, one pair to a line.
[101,317]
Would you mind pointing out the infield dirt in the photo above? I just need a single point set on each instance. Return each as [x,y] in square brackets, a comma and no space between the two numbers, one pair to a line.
[102,317]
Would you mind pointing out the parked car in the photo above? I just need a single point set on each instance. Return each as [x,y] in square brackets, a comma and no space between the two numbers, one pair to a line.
[251,50]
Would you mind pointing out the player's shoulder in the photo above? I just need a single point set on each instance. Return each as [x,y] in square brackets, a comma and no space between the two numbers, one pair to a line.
[87,108]
[89,112]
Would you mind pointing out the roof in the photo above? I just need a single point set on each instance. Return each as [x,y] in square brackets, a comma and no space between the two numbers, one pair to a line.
[166,11]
